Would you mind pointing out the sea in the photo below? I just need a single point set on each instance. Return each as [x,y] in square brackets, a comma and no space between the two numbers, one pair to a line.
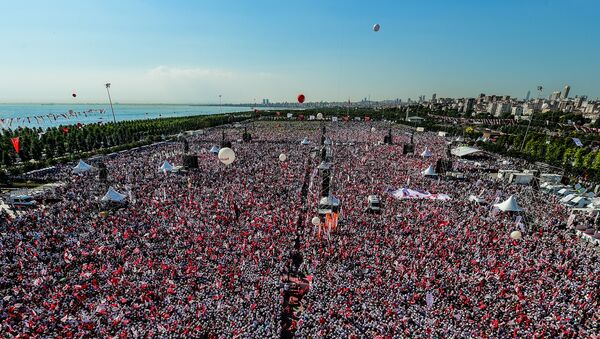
[13,116]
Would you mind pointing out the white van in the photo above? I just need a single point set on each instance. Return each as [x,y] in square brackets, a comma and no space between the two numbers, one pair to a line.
[374,204]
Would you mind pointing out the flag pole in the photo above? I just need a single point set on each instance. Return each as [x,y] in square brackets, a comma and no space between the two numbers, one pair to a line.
[110,100]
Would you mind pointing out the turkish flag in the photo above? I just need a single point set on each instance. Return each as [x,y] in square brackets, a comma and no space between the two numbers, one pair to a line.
[16,144]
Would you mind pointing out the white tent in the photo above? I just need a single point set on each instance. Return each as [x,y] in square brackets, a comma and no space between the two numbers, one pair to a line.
[429,172]
[567,198]
[81,167]
[565,191]
[579,202]
[113,196]
[305,141]
[215,149]
[476,199]
[166,167]
[426,153]
[509,205]
[463,151]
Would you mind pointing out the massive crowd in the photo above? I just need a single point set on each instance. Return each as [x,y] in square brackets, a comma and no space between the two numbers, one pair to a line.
[201,252]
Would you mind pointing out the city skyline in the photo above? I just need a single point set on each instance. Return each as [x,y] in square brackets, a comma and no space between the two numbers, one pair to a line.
[192,53]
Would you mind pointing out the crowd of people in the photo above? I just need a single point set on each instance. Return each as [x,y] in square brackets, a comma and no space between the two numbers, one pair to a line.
[201,252]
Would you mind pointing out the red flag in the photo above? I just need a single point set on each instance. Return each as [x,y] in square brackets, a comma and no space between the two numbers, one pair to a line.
[367,118]
[65,130]
[15,143]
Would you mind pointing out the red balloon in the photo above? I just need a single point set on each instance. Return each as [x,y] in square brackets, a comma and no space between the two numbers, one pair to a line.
[74,95]
[301,98]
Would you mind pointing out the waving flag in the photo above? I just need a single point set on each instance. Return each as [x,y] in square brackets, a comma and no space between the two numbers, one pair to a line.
[16,144]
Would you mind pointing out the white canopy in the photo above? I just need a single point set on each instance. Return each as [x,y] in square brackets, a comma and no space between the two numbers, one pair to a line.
[81,167]
[509,205]
[305,141]
[579,202]
[567,198]
[166,167]
[429,171]
[215,149]
[476,199]
[426,153]
[565,191]
[113,195]
[464,151]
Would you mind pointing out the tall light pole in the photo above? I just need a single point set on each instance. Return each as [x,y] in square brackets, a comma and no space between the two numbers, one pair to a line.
[220,105]
[110,100]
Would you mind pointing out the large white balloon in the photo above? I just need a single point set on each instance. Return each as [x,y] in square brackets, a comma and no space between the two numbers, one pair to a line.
[282,157]
[376,27]
[226,155]
[319,116]
[515,235]
[316,221]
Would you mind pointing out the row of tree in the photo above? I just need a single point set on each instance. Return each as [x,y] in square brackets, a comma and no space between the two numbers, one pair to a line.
[40,147]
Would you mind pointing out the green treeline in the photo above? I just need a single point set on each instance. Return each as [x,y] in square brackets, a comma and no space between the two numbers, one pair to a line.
[39,148]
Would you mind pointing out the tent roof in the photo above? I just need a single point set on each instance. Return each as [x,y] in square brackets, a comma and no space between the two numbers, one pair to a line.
[82,166]
[113,195]
[426,153]
[305,141]
[166,166]
[215,149]
[509,205]
[568,198]
[429,171]
[576,200]
[464,151]
[476,199]
[330,200]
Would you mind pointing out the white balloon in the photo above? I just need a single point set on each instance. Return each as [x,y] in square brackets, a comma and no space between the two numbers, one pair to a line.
[319,116]
[515,235]
[376,27]
[226,155]
[316,221]
[282,157]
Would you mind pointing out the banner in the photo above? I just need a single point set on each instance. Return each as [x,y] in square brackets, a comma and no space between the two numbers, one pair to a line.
[407,193]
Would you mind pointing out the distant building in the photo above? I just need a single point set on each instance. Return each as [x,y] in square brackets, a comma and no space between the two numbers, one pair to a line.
[517,111]
[565,92]
[468,107]
[433,97]
[528,95]
[502,108]
[491,107]
[554,96]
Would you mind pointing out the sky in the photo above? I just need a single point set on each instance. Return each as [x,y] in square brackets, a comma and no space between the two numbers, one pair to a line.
[193,51]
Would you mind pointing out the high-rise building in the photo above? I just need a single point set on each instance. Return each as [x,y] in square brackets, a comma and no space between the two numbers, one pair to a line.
[433,97]
[528,95]
[555,95]
[565,92]
[469,103]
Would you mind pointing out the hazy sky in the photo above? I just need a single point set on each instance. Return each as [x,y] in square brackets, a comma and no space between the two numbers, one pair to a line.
[192,51]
